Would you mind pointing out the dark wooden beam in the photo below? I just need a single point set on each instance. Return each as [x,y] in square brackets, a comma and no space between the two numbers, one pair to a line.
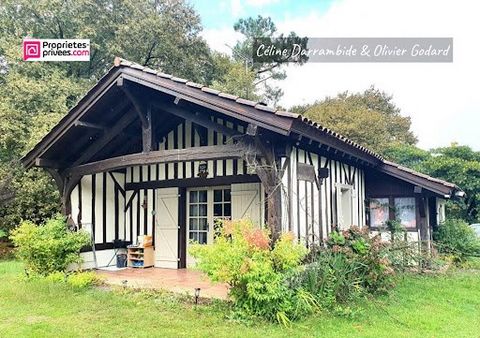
[140,106]
[230,151]
[85,104]
[88,125]
[193,182]
[91,135]
[195,117]
[45,163]
[124,122]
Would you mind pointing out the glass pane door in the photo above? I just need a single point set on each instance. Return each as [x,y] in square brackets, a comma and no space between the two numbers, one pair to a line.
[198,216]
[222,208]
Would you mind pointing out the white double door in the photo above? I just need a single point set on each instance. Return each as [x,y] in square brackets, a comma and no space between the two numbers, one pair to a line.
[205,207]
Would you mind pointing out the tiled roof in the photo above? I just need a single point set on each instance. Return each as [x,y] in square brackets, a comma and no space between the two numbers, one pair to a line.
[416,173]
[119,62]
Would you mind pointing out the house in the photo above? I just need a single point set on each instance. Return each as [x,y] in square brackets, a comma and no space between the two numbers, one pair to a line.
[148,153]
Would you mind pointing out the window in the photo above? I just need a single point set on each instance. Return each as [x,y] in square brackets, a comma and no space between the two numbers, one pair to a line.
[379,212]
[222,208]
[198,216]
[344,206]
[405,211]
[207,207]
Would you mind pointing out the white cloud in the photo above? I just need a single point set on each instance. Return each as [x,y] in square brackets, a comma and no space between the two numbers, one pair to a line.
[260,3]
[236,8]
[441,99]
[220,39]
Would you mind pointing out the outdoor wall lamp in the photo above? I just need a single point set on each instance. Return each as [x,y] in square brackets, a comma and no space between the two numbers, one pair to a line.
[203,169]
[322,174]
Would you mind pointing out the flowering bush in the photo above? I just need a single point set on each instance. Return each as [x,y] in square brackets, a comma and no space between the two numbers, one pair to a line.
[256,272]
[369,253]
[350,265]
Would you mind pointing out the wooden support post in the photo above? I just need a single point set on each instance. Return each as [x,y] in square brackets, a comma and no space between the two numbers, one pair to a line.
[65,185]
[144,112]
[269,170]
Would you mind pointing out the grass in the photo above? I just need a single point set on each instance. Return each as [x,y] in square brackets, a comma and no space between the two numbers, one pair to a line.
[421,306]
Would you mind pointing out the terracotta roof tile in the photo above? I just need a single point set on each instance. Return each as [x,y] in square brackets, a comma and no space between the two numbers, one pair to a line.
[122,62]
[210,90]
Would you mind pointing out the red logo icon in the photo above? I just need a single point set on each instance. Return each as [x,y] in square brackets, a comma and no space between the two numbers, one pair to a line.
[31,49]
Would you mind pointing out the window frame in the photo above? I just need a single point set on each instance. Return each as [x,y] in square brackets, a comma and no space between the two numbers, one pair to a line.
[391,205]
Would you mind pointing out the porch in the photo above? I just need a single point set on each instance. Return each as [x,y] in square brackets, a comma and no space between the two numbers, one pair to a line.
[178,281]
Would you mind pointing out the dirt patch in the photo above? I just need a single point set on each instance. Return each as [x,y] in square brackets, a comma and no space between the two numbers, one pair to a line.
[35,319]
[6,250]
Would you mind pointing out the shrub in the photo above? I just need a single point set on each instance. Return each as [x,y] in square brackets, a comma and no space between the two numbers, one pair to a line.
[352,264]
[57,277]
[83,279]
[48,248]
[257,273]
[455,237]
[3,234]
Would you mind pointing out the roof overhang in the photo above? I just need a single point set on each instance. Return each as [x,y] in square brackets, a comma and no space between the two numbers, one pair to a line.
[439,187]
[286,124]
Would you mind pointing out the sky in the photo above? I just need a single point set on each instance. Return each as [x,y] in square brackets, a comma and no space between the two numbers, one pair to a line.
[442,99]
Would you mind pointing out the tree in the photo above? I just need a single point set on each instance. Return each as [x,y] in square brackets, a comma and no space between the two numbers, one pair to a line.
[350,114]
[407,155]
[36,98]
[456,164]
[234,78]
[158,34]
[243,52]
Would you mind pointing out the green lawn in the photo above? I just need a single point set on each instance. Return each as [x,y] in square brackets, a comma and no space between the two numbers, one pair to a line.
[442,306]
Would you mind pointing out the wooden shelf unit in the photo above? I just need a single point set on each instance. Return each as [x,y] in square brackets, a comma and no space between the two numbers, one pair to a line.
[140,257]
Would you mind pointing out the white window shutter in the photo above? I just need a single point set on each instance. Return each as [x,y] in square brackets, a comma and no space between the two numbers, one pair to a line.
[246,202]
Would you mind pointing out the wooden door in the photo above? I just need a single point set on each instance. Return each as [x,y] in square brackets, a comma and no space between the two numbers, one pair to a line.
[167,228]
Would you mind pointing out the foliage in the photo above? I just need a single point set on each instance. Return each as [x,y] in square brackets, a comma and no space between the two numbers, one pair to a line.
[263,27]
[83,279]
[352,265]
[61,310]
[457,164]
[234,78]
[36,198]
[455,237]
[56,277]
[49,247]
[169,31]
[242,257]
[375,269]
[348,114]
[407,155]
[3,234]
[36,95]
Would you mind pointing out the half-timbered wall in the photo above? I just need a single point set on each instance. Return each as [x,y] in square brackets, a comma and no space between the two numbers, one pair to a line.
[140,204]
[98,204]
[311,213]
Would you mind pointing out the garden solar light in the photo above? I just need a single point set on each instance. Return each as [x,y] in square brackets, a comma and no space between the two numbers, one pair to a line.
[197,294]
